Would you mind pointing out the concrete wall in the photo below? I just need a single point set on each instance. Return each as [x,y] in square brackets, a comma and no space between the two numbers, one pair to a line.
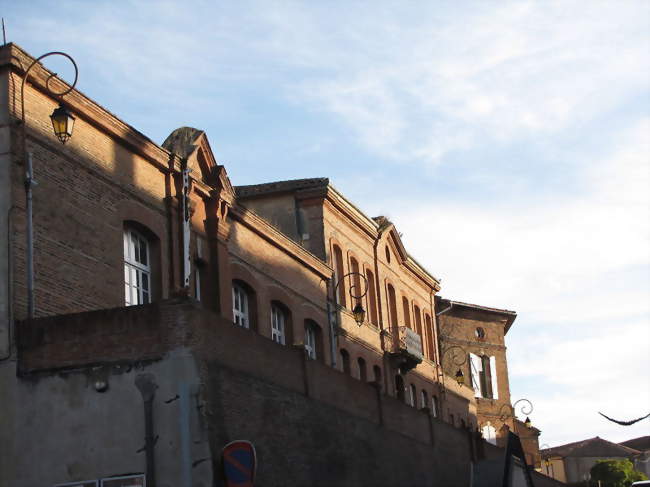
[64,430]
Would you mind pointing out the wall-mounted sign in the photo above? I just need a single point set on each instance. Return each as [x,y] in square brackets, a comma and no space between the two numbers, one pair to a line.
[412,341]
[239,463]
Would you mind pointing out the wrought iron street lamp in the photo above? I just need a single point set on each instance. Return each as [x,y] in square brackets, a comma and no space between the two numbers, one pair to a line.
[356,292]
[526,408]
[459,376]
[63,124]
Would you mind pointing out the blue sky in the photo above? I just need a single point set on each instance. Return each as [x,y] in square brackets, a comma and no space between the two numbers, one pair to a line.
[509,141]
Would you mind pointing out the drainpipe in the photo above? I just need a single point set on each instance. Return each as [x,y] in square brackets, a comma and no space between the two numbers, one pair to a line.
[147,387]
[330,319]
[29,182]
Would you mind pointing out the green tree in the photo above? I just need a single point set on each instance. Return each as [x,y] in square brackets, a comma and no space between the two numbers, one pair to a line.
[615,473]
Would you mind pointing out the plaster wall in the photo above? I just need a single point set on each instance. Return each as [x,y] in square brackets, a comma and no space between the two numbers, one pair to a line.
[65,431]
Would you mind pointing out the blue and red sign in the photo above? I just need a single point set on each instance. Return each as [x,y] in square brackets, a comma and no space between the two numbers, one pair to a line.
[239,463]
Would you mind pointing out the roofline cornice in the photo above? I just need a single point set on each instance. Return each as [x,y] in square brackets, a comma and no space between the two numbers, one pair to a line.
[18,60]
[269,233]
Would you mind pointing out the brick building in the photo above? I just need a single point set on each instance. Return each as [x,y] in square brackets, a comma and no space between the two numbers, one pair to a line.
[145,256]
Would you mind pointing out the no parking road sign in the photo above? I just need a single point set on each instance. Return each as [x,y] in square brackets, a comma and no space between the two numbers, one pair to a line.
[239,463]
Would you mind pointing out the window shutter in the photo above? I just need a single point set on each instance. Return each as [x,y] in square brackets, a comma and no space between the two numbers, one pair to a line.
[475,372]
[493,373]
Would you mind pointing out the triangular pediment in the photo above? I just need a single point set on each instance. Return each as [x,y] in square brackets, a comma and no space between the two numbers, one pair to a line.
[392,238]
[193,146]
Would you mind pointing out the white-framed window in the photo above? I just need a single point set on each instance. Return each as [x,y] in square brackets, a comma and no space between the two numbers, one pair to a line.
[423,399]
[122,481]
[310,340]
[126,481]
[137,268]
[240,308]
[412,395]
[434,406]
[278,323]
[484,376]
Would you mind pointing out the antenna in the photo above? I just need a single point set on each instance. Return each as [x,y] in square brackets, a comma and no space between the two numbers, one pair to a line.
[4,37]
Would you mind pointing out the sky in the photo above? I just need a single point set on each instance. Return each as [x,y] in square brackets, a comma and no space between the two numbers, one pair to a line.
[508,141]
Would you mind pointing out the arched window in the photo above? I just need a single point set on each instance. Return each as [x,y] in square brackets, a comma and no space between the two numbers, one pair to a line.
[345,361]
[371,296]
[430,342]
[338,274]
[387,254]
[423,399]
[240,306]
[418,324]
[357,290]
[137,268]
[451,419]
[363,375]
[376,370]
[462,424]
[434,406]
[279,323]
[312,339]
[407,314]
[392,305]
[413,395]
[399,387]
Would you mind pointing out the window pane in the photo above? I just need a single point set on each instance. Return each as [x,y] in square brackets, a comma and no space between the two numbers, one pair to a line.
[144,258]
[145,282]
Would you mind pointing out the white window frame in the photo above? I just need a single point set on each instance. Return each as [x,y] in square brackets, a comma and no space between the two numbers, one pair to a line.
[493,373]
[310,340]
[137,273]
[278,324]
[434,406]
[476,367]
[423,399]
[107,481]
[240,306]
[413,393]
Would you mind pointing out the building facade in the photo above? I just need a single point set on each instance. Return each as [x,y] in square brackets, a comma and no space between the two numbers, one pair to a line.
[126,230]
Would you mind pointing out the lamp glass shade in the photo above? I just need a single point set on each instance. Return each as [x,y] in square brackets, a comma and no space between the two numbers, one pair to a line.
[528,423]
[62,123]
[359,314]
[460,378]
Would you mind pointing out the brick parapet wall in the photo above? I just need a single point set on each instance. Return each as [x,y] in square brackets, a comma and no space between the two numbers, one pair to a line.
[147,333]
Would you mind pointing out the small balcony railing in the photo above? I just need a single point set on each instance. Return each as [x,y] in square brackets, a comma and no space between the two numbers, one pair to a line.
[405,347]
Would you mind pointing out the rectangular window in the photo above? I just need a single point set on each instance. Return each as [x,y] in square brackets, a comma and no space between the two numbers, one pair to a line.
[126,481]
[137,272]
[240,306]
[277,325]
[310,341]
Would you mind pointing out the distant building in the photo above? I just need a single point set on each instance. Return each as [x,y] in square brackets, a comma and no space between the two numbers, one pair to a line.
[641,461]
[175,312]
[572,462]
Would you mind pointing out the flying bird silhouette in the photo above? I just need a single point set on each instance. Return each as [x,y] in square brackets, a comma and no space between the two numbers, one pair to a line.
[624,423]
